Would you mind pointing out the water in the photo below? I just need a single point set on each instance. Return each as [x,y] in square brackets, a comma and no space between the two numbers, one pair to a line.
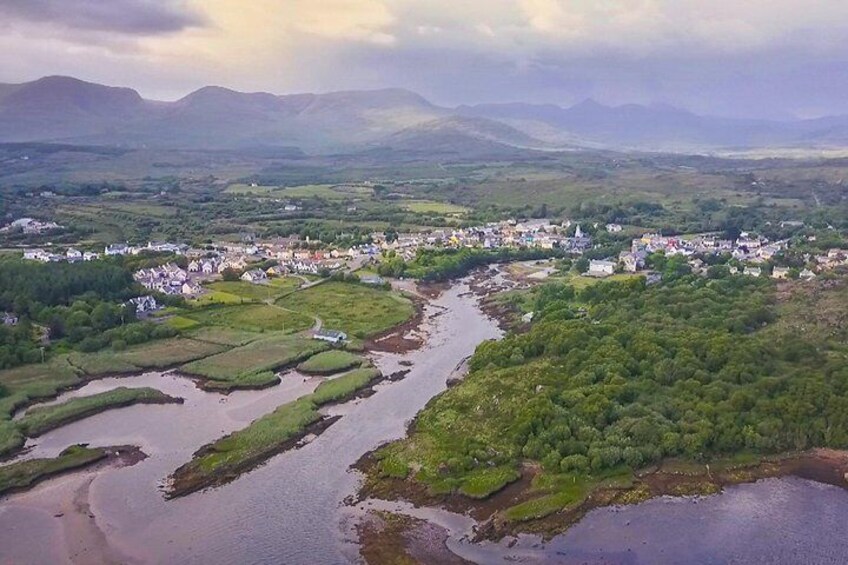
[291,509]
[287,511]
[786,520]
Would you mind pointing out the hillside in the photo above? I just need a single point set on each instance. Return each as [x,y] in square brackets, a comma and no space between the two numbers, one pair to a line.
[68,110]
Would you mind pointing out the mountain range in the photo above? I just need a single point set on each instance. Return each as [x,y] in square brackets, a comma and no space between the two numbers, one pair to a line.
[68,110]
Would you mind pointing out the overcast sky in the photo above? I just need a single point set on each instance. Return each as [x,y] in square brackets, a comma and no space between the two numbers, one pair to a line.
[759,58]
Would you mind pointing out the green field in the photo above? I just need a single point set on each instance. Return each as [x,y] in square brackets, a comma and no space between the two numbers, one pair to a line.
[42,419]
[24,474]
[340,388]
[330,362]
[253,317]
[257,292]
[252,365]
[223,336]
[356,310]
[433,207]
[152,355]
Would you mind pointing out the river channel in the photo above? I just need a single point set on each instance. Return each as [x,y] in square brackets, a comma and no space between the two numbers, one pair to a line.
[290,510]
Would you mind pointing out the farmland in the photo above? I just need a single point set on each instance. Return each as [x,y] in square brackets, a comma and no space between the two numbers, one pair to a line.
[253,365]
[357,310]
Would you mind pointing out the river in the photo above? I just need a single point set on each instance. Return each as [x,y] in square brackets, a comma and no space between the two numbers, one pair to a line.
[290,510]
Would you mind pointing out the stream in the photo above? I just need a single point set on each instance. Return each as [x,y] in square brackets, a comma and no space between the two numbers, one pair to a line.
[290,510]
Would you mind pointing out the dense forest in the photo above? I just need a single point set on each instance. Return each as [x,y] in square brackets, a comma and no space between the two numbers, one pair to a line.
[624,374]
[443,264]
[80,305]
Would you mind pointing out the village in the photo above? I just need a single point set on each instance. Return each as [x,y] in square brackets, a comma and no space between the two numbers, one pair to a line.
[255,261]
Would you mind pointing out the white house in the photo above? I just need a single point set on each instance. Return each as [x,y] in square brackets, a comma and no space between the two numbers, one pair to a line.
[332,336]
[780,273]
[73,254]
[117,249]
[614,228]
[807,275]
[601,268]
[90,256]
[753,271]
[191,288]
[144,304]
[254,276]
[9,319]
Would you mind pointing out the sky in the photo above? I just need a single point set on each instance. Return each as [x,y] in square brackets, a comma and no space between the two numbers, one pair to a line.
[739,58]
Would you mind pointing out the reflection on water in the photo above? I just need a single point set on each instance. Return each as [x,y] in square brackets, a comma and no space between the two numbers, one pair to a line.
[787,520]
[287,511]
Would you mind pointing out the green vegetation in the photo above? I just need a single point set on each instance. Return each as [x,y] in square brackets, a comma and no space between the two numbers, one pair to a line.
[240,451]
[253,317]
[430,206]
[619,375]
[223,336]
[252,365]
[257,292]
[330,362]
[45,418]
[154,355]
[78,305]
[342,387]
[357,310]
[445,264]
[24,474]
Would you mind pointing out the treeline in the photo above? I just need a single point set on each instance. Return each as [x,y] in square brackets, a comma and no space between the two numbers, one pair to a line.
[443,264]
[78,305]
[26,286]
[624,374]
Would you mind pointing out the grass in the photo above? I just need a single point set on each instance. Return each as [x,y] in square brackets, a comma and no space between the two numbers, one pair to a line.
[223,336]
[256,292]
[483,483]
[25,474]
[45,418]
[252,365]
[432,207]
[343,387]
[224,459]
[356,310]
[544,505]
[330,362]
[152,355]
[253,317]
[181,323]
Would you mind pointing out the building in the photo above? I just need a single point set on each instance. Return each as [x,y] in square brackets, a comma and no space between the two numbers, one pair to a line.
[116,249]
[807,275]
[373,280]
[332,336]
[780,273]
[144,304]
[601,268]
[753,271]
[632,261]
[614,228]
[191,288]
[254,276]
[9,319]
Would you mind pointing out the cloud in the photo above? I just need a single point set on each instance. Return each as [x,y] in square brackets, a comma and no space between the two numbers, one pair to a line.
[717,56]
[134,17]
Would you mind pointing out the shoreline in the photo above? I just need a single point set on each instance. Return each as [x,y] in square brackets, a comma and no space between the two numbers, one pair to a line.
[668,478]
[179,487]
